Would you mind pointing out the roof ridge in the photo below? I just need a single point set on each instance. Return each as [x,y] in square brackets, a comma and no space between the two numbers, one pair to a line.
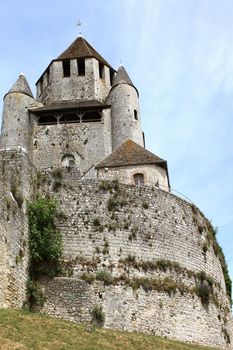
[88,47]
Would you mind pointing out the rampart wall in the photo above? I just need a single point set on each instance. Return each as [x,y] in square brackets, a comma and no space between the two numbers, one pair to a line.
[139,254]
[15,174]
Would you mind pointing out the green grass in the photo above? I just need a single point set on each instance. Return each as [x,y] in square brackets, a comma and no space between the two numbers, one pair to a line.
[24,330]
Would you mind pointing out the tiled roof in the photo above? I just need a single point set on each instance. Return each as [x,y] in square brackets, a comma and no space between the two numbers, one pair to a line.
[130,153]
[22,86]
[63,105]
[80,48]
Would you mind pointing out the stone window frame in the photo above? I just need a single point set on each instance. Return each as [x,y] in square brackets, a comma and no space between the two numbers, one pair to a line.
[139,179]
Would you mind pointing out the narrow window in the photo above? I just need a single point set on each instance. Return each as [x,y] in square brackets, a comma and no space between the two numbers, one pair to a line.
[135,114]
[47,77]
[41,85]
[101,70]
[111,76]
[81,67]
[66,68]
[138,180]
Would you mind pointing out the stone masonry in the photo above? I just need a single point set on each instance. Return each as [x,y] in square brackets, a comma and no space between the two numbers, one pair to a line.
[146,259]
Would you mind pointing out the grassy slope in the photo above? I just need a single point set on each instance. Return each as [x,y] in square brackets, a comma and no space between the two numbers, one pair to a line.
[21,330]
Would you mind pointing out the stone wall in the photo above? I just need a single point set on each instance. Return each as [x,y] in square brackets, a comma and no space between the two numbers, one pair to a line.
[153,175]
[75,87]
[15,173]
[87,142]
[117,240]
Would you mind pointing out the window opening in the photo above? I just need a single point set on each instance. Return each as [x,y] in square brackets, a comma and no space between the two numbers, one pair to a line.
[91,117]
[101,70]
[41,85]
[135,114]
[66,68]
[68,161]
[81,67]
[69,118]
[47,120]
[47,76]
[111,76]
[138,180]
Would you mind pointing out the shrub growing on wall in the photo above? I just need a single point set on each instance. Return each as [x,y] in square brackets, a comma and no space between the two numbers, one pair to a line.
[45,244]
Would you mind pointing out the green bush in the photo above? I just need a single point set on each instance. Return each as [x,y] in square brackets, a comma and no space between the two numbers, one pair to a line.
[34,296]
[45,244]
[98,315]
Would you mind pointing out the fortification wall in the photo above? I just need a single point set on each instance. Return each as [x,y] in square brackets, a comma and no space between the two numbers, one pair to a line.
[139,253]
[15,173]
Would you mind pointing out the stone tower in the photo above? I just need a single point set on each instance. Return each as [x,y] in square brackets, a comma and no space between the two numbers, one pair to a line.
[16,129]
[148,258]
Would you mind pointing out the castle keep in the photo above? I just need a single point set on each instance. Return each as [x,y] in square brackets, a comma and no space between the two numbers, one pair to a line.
[148,258]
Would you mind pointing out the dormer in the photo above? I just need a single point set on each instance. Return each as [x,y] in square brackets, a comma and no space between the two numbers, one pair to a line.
[80,72]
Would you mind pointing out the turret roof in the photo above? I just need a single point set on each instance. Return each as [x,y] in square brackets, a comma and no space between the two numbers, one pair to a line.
[80,48]
[122,77]
[22,86]
[131,153]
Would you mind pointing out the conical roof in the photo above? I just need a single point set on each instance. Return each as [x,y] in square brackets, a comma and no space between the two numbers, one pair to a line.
[22,86]
[80,48]
[122,77]
[131,153]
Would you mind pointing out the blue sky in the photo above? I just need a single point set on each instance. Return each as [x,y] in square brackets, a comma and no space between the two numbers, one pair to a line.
[179,54]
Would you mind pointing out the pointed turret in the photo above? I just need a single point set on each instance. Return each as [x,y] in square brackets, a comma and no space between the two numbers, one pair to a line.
[15,121]
[122,77]
[80,72]
[126,121]
[22,86]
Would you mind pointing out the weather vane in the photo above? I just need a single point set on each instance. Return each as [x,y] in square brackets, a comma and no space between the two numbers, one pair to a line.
[79,24]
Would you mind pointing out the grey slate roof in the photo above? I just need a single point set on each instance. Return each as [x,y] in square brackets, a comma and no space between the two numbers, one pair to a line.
[130,153]
[22,86]
[80,48]
[122,77]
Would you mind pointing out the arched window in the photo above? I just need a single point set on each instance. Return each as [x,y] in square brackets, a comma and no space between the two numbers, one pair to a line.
[68,161]
[138,179]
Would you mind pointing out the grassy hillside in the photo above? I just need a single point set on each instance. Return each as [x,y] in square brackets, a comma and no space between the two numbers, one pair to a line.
[22,330]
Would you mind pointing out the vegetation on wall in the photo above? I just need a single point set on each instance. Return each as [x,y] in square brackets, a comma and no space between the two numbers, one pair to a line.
[211,239]
[45,245]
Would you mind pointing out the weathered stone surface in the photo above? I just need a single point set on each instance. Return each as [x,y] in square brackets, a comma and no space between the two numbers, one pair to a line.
[150,226]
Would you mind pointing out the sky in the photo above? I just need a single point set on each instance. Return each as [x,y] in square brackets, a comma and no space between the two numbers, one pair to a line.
[178,53]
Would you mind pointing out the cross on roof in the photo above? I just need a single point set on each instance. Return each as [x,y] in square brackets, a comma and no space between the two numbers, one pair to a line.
[79,24]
